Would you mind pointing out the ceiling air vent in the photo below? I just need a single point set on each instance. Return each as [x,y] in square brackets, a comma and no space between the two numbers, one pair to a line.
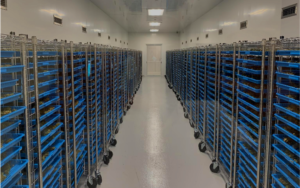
[197,38]
[108,37]
[220,31]
[116,40]
[286,11]
[57,20]
[83,29]
[120,41]
[243,25]
[182,43]
[191,40]
[99,34]
[4,4]
[186,42]
[206,36]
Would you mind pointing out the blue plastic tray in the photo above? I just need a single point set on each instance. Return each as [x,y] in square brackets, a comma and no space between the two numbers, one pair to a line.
[287,64]
[280,137]
[288,99]
[249,158]
[10,83]
[288,52]
[294,137]
[282,107]
[17,166]
[11,69]
[287,87]
[13,124]
[14,181]
[281,168]
[44,63]
[287,165]
[279,148]
[57,146]
[282,119]
[8,54]
[242,77]
[288,76]
[276,178]
[10,154]
[16,139]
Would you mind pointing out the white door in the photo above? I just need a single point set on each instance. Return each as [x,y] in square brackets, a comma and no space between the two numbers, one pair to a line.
[154,60]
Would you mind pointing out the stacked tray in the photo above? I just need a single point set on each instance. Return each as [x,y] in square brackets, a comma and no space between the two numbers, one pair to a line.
[194,86]
[248,96]
[211,97]
[11,109]
[200,81]
[287,124]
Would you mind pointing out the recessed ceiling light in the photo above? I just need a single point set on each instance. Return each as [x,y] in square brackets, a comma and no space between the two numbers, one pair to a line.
[154,24]
[154,30]
[155,12]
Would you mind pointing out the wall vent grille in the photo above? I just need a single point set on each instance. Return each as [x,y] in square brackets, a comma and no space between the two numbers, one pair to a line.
[206,36]
[243,25]
[57,20]
[84,29]
[99,34]
[4,4]
[220,31]
[288,11]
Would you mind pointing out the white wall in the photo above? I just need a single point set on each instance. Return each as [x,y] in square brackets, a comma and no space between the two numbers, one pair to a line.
[264,21]
[31,17]
[139,41]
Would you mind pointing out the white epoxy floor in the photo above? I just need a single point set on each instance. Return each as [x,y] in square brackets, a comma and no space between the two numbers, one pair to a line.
[156,147]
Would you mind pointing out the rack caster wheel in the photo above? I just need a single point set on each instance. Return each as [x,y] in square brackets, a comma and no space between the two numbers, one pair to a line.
[124,113]
[181,103]
[183,109]
[214,167]
[121,120]
[92,182]
[128,107]
[98,178]
[202,147]
[228,186]
[110,154]
[186,115]
[106,159]
[131,102]
[178,98]
[113,142]
[196,135]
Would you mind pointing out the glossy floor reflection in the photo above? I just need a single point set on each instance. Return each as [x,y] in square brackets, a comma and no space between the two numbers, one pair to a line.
[156,147]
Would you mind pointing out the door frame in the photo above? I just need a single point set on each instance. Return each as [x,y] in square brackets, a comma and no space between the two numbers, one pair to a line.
[147,59]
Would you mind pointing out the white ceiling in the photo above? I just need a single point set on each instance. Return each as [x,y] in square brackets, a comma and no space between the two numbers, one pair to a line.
[133,14]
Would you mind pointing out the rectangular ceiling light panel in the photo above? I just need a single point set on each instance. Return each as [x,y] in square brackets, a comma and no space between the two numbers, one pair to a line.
[153,30]
[154,24]
[155,12]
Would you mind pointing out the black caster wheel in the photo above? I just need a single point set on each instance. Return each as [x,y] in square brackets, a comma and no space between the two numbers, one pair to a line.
[178,98]
[128,107]
[135,92]
[214,168]
[98,178]
[186,115]
[196,135]
[181,103]
[110,154]
[202,147]
[106,159]
[131,102]
[92,182]
[121,120]
[184,109]
[113,142]
[124,113]
[228,185]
